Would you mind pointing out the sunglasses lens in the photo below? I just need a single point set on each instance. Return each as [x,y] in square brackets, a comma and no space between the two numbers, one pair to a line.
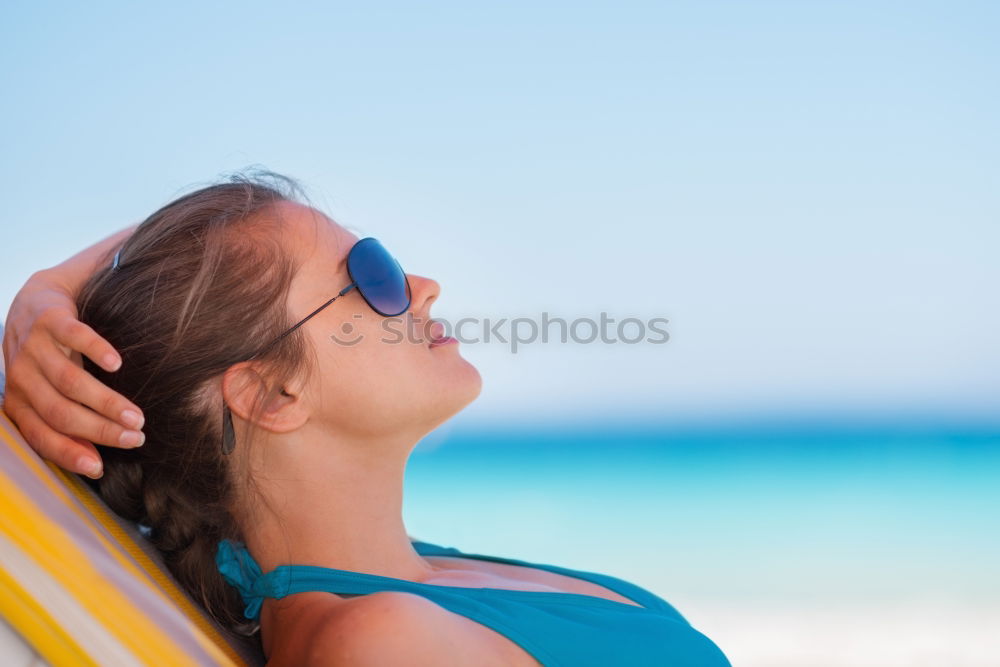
[380,279]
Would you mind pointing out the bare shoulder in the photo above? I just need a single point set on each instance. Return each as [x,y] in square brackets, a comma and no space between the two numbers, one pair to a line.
[397,628]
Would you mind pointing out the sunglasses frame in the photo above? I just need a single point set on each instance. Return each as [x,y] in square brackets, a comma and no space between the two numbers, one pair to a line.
[228,432]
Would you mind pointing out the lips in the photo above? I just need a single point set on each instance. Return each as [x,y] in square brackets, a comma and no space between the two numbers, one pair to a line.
[437,336]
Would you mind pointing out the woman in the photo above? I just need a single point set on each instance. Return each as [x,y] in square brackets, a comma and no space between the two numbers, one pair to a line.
[285,371]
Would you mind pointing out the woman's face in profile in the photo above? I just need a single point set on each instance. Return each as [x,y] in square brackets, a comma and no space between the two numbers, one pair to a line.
[374,374]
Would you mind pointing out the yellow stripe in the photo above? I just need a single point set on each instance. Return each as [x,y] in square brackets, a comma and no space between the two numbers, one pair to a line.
[46,543]
[152,569]
[30,459]
[167,590]
[67,499]
[37,626]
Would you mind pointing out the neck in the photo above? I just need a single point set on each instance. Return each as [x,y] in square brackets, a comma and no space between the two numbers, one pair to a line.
[335,501]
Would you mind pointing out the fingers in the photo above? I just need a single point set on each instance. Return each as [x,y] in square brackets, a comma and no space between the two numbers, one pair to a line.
[60,408]
[78,385]
[71,454]
[74,420]
[74,334]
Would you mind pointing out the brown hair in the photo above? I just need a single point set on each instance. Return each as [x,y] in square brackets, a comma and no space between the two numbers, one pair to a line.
[199,286]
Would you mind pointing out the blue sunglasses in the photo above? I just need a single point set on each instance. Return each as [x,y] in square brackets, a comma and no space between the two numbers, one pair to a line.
[379,279]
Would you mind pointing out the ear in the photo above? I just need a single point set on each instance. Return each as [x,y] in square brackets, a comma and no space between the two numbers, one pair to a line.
[282,409]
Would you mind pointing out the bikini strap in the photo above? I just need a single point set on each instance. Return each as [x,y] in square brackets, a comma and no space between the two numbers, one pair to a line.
[241,571]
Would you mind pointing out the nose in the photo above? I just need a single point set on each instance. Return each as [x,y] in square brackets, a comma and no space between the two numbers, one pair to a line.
[423,292]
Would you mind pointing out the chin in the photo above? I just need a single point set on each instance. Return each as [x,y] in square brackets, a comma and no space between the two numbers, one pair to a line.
[476,385]
[465,385]
[456,390]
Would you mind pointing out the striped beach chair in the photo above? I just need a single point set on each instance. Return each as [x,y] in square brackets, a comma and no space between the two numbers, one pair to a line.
[79,585]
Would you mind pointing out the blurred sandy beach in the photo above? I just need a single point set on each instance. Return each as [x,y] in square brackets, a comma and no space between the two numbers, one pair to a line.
[919,632]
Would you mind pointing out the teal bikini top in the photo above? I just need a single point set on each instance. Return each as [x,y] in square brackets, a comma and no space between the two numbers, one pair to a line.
[557,629]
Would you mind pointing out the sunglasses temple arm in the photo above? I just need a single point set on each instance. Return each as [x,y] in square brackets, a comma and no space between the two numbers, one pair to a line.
[306,319]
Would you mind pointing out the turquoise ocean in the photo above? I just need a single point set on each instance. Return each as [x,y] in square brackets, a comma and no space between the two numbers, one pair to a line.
[802,543]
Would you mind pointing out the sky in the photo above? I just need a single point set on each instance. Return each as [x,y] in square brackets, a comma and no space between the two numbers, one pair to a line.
[809,193]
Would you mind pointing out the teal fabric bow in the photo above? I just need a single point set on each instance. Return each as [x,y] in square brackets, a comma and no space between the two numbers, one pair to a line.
[241,571]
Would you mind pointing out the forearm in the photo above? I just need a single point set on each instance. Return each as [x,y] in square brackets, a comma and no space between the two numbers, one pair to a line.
[70,274]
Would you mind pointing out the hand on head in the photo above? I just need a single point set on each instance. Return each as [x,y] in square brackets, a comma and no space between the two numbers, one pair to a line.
[59,407]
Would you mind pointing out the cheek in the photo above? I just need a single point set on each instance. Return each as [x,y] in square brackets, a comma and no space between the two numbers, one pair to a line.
[377,373]
[366,369]
[350,389]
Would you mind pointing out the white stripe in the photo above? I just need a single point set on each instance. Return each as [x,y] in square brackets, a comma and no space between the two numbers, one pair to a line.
[74,620]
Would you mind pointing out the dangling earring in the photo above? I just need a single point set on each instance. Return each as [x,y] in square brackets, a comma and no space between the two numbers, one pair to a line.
[228,432]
